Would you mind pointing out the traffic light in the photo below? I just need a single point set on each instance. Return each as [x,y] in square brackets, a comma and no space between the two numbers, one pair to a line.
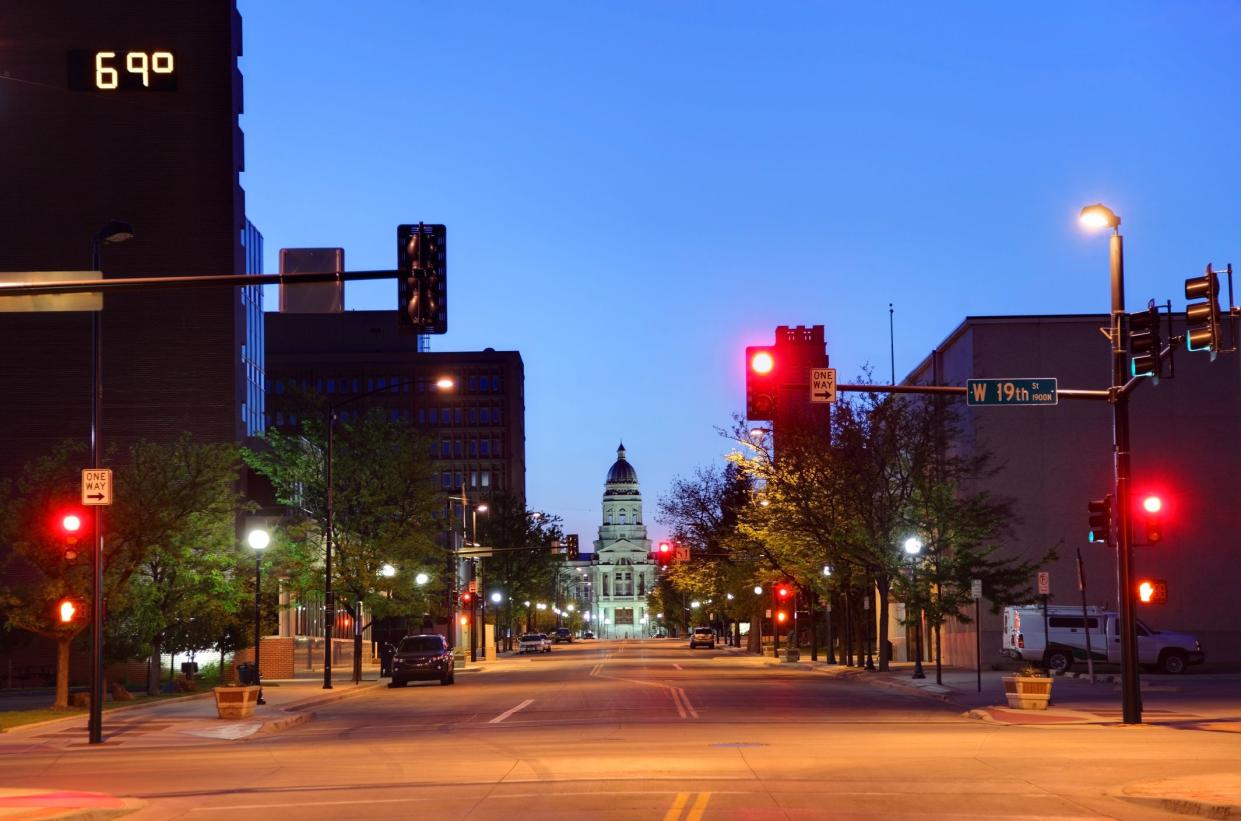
[760,383]
[467,598]
[572,546]
[70,526]
[1153,507]
[1152,591]
[782,616]
[67,611]
[664,554]
[1202,318]
[1145,342]
[1101,519]
[783,592]
[422,278]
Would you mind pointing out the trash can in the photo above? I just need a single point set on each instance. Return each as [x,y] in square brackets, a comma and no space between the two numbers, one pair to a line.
[247,673]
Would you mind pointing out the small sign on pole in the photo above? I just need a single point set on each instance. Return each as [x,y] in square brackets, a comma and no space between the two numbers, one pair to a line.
[1044,583]
[822,384]
[976,589]
[97,486]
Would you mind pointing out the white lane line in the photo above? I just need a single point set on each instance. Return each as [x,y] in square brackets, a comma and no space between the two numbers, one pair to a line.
[508,713]
[597,669]
[689,708]
[676,666]
[676,699]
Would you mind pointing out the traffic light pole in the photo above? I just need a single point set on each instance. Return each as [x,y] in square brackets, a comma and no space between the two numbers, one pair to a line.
[1131,703]
[95,722]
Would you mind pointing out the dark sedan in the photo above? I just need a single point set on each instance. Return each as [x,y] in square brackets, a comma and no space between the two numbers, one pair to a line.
[420,658]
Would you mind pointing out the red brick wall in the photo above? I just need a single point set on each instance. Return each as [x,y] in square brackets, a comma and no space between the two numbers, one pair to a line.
[275,662]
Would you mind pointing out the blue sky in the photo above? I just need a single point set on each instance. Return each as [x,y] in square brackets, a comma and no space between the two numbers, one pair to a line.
[635,191]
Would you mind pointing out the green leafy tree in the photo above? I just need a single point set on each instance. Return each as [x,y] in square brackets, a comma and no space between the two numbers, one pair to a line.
[523,567]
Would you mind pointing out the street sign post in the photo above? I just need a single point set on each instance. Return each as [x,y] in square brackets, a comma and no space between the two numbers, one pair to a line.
[976,595]
[97,486]
[822,385]
[1040,391]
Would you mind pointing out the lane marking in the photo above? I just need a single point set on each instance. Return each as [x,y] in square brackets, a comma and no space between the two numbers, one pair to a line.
[678,804]
[676,666]
[597,669]
[700,806]
[689,708]
[508,713]
[676,699]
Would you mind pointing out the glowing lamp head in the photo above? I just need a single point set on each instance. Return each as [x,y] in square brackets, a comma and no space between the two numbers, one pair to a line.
[664,547]
[1098,216]
[913,545]
[71,523]
[444,383]
[387,571]
[762,362]
[258,539]
[782,617]
[421,579]
[1152,504]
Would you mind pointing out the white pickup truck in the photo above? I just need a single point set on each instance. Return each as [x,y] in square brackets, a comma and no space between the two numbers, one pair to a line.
[1025,638]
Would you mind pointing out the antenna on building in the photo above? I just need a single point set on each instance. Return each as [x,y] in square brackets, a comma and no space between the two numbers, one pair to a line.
[892,340]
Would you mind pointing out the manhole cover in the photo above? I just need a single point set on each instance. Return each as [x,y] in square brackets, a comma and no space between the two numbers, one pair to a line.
[739,744]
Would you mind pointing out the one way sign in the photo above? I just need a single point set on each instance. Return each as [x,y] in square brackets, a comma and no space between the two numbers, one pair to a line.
[97,486]
[822,384]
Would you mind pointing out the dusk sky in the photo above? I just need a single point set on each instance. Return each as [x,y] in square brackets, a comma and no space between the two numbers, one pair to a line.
[635,191]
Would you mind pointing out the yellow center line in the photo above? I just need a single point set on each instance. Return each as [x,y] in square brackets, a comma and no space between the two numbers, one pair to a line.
[700,806]
[678,804]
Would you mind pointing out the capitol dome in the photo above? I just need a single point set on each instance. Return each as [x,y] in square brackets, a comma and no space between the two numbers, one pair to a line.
[621,471]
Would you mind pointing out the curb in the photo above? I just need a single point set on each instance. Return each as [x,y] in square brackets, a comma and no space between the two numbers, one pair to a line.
[1185,806]
[315,701]
[128,805]
[284,723]
[146,705]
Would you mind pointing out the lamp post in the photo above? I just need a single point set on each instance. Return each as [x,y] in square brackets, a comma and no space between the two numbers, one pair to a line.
[329,608]
[1100,216]
[112,232]
[827,617]
[258,540]
[913,546]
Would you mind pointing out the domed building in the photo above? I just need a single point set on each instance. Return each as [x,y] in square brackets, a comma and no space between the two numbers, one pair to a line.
[620,573]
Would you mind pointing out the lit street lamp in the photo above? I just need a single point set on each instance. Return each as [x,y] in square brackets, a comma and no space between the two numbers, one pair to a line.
[913,546]
[258,540]
[421,579]
[1100,216]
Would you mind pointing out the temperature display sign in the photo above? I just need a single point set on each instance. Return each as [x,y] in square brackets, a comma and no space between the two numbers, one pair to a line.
[122,70]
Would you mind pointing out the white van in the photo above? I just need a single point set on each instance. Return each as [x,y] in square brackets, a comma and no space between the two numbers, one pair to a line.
[1026,639]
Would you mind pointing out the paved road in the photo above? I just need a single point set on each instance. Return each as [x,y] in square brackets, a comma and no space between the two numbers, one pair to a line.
[642,730]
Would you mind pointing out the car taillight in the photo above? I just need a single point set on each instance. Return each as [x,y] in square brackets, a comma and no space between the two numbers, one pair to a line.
[1021,640]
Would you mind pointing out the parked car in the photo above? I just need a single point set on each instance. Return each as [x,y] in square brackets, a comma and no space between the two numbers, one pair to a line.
[589,634]
[704,636]
[563,634]
[534,643]
[1026,638]
[418,658]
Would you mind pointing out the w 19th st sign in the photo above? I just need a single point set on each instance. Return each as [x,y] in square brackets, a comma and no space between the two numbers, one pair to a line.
[1011,391]
[97,486]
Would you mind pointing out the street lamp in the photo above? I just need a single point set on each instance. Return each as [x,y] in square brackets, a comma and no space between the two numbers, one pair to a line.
[1100,216]
[329,605]
[112,232]
[482,508]
[258,539]
[758,590]
[421,579]
[913,546]
[497,597]
[387,571]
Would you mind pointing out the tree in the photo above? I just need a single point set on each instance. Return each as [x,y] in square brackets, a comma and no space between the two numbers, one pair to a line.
[523,567]
[385,504]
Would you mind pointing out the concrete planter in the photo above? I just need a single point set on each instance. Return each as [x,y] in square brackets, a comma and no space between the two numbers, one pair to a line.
[1027,692]
[235,702]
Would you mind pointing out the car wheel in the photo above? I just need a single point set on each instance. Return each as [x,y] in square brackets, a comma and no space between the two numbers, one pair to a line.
[1173,662]
[1059,661]
[398,682]
[446,680]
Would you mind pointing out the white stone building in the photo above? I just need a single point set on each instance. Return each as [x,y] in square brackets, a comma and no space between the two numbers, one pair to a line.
[613,583]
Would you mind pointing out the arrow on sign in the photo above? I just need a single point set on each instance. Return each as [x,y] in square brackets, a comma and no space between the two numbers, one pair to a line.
[95,496]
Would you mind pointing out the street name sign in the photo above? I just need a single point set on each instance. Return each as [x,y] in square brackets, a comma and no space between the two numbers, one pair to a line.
[1011,391]
[822,384]
[976,589]
[97,486]
[1044,583]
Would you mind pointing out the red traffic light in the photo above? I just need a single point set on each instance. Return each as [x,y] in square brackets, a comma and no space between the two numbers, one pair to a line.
[783,591]
[762,362]
[467,597]
[665,548]
[67,610]
[1152,504]
[761,377]
[71,523]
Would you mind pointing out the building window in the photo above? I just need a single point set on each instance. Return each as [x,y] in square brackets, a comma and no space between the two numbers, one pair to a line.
[422,416]
[318,386]
[495,384]
[445,480]
[486,478]
[279,386]
[279,417]
[445,448]
[355,385]
[484,447]
[605,586]
[473,478]
[457,449]
[484,415]
[608,519]
[482,381]
[622,517]
[456,480]
[331,386]
[495,448]
[456,416]
[473,448]
[641,584]
[473,416]
[473,383]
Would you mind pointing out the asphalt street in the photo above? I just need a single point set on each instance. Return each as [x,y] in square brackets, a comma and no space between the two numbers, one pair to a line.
[642,730]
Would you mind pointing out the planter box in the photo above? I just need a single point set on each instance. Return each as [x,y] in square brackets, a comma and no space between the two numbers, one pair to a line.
[1027,692]
[235,702]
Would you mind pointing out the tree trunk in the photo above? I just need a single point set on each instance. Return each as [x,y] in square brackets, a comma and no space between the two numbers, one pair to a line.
[939,667]
[357,641]
[755,642]
[62,673]
[883,586]
[154,668]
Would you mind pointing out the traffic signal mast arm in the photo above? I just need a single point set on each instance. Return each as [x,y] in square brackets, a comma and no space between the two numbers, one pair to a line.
[959,390]
[80,286]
